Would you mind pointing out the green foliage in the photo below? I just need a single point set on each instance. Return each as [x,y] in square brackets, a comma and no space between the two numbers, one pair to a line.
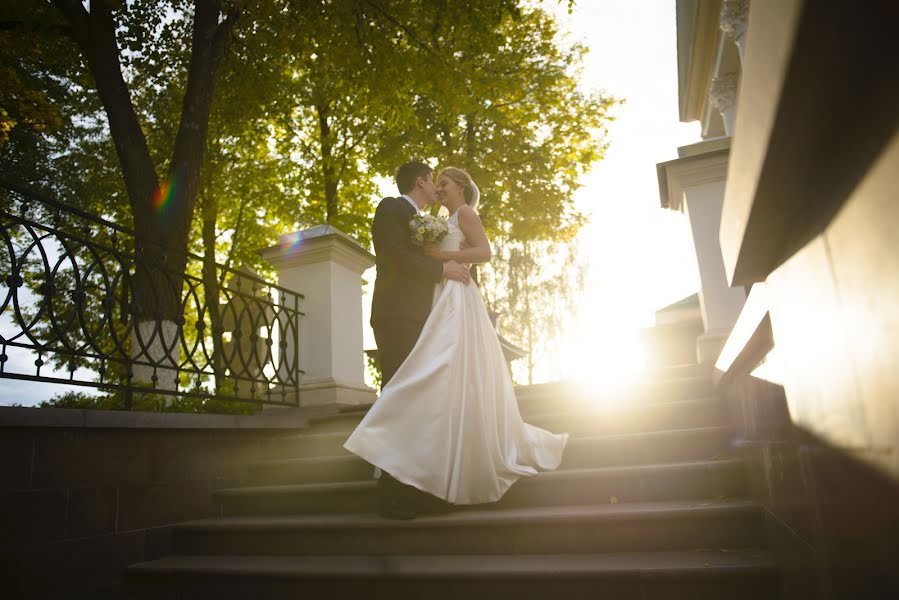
[374,368]
[149,402]
[39,76]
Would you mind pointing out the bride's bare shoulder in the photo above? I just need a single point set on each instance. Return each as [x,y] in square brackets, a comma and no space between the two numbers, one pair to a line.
[467,213]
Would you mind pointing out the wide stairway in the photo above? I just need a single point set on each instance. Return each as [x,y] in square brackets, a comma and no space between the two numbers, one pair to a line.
[649,503]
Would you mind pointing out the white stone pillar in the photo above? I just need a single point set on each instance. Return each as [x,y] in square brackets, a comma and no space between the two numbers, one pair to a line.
[326,265]
[155,343]
[695,185]
[733,21]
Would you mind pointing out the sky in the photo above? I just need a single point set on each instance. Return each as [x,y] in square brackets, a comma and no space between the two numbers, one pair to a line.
[639,257]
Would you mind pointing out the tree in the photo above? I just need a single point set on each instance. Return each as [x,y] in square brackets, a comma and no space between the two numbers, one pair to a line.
[269,115]
[334,74]
[95,31]
[506,106]
[534,288]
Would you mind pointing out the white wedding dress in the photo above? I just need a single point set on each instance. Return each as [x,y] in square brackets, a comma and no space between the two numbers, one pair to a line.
[448,422]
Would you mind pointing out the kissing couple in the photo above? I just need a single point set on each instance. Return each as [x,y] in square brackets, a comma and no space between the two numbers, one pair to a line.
[447,421]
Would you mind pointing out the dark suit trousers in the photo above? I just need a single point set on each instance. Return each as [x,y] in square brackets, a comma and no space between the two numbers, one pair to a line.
[395,339]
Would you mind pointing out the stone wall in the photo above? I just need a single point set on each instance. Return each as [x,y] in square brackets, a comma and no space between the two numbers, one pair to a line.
[831,519]
[83,494]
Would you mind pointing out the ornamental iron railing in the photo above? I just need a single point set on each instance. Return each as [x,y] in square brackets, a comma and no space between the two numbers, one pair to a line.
[79,310]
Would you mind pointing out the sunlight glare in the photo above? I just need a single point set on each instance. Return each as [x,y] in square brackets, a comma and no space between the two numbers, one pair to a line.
[604,360]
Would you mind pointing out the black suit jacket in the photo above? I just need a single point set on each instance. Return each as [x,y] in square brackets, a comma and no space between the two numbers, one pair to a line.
[404,286]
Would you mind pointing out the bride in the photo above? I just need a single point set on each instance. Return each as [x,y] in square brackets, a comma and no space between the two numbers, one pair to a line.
[448,422]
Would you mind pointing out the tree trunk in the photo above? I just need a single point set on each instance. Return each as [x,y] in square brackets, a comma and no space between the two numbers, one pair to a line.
[469,162]
[163,226]
[211,290]
[235,237]
[328,174]
[470,140]
[173,220]
[527,312]
[94,33]
[167,223]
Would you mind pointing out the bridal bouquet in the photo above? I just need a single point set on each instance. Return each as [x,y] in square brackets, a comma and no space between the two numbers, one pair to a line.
[427,229]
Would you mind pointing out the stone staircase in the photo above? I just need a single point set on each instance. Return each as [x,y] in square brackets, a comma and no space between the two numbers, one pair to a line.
[650,502]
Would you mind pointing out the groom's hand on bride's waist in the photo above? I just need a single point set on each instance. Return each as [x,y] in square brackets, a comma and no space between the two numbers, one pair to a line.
[456,271]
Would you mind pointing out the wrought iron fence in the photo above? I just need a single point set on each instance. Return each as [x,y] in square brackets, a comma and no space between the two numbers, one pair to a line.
[78,310]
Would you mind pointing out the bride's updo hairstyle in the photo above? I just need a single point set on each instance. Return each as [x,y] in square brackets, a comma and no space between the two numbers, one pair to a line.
[463,180]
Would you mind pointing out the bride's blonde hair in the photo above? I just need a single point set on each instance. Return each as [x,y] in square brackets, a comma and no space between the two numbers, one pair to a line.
[464,181]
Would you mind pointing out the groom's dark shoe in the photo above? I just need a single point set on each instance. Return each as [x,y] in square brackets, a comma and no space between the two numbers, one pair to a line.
[394,508]
[426,504]
[392,505]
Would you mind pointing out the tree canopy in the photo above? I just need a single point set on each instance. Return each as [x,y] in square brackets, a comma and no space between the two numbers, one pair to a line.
[216,125]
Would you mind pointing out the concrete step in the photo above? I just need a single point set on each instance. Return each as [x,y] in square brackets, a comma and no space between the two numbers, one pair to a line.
[560,400]
[633,418]
[318,469]
[340,423]
[651,389]
[326,438]
[674,481]
[581,452]
[564,529]
[308,445]
[672,575]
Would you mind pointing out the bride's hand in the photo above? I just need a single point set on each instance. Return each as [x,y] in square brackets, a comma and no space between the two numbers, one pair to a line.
[433,251]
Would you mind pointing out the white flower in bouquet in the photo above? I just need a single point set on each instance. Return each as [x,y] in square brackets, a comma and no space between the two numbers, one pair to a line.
[427,229]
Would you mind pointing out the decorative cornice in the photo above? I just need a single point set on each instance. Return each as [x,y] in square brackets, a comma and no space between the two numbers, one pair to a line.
[698,31]
[734,15]
[723,92]
[690,171]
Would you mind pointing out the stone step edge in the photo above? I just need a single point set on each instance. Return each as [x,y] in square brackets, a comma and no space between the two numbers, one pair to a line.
[581,410]
[549,476]
[592,513]
[677,564]
[650,378]
[573,440]
[575,414]
[605,405]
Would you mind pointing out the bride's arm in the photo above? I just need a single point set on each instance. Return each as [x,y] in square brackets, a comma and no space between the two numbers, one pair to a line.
[478,250]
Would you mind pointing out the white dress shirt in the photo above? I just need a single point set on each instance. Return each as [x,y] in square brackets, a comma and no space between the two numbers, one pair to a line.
[412,202]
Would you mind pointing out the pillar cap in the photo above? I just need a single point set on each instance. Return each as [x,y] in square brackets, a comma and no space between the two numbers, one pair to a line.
[319,244]
[694,167]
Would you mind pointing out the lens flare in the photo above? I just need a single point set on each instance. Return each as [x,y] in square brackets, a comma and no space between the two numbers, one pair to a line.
[291,241]
[163,196]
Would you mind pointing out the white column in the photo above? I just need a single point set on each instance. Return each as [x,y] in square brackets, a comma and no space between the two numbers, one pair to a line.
[723,95]
[733,20]
[326,265]
[695,185]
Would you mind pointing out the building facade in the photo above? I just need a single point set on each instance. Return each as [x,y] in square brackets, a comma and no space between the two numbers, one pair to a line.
[792,202]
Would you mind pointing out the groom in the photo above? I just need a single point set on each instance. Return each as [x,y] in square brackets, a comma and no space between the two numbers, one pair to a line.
[404,289]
